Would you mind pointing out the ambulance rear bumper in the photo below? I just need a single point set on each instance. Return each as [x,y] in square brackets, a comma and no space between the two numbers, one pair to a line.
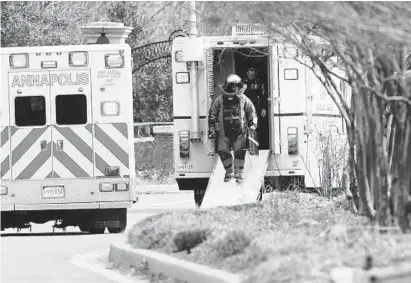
[66,206]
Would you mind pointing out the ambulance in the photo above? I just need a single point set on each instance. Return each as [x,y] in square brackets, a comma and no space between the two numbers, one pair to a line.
[298,106]
[66,125]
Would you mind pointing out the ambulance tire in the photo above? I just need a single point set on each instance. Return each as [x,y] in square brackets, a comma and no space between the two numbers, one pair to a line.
[260,194]
[199,196]
[97,230]
[86,227]
[121,216]
[83,228]
[116,230]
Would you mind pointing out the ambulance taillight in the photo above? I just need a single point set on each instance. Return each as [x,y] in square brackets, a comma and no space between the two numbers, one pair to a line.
[106,187]
[184,144]
[4,190]
[18,61]
[292,137]
[121,187]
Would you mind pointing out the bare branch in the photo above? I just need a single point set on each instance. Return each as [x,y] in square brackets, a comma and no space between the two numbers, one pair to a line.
[342,109]
[156,13]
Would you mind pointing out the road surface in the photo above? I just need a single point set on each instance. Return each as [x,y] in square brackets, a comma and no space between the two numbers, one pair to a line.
[46,257]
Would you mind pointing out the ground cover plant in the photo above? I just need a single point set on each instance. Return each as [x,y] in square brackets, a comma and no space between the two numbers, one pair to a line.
[289,237]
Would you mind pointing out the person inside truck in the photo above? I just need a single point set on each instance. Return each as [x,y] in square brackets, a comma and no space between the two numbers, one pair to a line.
[230,116]
[256,92]
[30,111]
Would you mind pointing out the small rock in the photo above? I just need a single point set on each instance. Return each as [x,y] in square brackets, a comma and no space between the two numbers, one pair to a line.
[342,275]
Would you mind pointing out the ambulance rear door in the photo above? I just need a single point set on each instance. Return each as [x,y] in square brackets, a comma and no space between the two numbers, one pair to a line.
[71,123]
[30,136]
[291,106]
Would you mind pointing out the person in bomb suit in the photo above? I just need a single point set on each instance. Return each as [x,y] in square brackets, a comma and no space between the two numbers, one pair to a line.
[230,116]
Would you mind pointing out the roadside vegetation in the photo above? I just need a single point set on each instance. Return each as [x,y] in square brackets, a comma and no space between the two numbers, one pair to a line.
[369,41]
[292,235]
[289,237]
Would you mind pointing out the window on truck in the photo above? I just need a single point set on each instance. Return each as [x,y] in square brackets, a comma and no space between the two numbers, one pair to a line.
[71,109]
[30,111]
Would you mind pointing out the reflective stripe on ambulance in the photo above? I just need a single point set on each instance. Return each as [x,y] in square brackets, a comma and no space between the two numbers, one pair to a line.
[74,161]
[4,153]
[111,147]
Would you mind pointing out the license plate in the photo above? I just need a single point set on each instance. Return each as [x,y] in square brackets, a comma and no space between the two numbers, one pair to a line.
[185,167]
[53,192]
[108,224]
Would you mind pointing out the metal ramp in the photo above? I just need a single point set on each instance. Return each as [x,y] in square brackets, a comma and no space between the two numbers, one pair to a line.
[220,193]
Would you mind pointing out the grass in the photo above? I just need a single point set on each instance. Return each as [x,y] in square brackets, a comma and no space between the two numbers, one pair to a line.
[290,237]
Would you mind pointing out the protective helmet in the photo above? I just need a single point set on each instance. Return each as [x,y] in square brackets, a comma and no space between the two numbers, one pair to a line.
[232,80]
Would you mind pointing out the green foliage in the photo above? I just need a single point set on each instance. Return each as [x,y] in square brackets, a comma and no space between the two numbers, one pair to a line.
[152,90]
[189,239]
[39,23]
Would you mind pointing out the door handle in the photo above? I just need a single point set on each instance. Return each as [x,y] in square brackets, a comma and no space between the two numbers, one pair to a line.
[60,145]
[43,145]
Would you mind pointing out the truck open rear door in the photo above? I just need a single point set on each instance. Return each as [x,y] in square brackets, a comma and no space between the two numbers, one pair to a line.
[220,193]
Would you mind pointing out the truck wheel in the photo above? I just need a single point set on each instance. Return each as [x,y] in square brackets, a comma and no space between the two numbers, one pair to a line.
[260,194]
[116,230]
[199,196]
[119,215]
[97,230]
[84,228]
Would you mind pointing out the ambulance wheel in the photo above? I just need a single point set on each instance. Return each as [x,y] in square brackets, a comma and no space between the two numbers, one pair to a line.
[116,230]
[199,196]
[97,230]
[260,194]
[84,228]
[119,215]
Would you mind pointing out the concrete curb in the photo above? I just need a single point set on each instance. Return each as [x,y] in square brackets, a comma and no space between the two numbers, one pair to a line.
[126,256]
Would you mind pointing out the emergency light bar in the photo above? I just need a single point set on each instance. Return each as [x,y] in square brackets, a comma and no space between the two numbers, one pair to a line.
[48,64]
[114,61]
[112,171]
[290,52]
[78,59]
[18,61]
[110,108]
[179,56]
[182,77]
[290,74]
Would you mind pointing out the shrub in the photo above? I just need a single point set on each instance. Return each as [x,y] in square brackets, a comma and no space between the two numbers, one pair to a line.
[233,242]
[150,238]
[187,240]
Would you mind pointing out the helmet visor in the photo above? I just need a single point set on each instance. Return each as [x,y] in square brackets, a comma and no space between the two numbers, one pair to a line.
[231,86]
